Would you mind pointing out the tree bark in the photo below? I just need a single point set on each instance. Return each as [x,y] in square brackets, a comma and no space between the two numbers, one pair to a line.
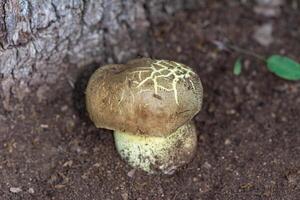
[41,41]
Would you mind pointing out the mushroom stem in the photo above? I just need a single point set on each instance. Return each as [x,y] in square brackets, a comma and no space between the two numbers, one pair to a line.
[158,154]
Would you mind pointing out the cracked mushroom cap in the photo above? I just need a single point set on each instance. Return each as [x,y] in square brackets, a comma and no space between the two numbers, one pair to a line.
[145,96]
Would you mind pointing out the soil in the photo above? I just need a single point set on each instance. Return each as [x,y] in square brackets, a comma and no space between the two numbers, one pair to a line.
[248,129]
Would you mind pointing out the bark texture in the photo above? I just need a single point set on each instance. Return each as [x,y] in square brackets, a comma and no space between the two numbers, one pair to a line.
[43,41]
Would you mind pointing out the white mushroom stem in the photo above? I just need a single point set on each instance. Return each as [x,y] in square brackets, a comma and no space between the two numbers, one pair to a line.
[158,154]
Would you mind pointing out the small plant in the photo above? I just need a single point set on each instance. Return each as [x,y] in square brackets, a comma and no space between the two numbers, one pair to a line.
[237,69]
[282,66]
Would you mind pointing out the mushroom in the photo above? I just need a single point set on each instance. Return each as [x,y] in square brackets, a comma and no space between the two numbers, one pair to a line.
[150,105]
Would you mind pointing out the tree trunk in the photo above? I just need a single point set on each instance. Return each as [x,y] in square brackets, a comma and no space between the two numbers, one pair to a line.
[44,41]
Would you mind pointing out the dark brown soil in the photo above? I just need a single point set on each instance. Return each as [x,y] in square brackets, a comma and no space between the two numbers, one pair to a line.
[249,133]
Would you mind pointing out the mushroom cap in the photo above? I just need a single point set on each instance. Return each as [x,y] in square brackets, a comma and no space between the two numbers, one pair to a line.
[145,96]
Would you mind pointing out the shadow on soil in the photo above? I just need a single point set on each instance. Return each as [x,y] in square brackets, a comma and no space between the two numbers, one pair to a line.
[79,91]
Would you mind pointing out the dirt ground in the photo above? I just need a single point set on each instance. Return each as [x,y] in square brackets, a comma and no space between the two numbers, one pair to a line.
[249,133]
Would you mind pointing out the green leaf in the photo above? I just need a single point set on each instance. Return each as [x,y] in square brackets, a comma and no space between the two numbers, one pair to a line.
[284,67]
[237,68]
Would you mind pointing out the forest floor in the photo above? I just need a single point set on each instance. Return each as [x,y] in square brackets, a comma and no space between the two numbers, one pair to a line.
[248,129]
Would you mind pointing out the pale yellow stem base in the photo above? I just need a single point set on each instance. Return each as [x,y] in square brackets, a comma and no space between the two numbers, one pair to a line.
[158,154]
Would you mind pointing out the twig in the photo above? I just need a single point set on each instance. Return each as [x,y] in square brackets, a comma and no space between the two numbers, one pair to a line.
[246,52]
[226,46]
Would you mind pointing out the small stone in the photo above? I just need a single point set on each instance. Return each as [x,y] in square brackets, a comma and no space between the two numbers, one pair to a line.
[68,163]
[267,11]
[270,2]
[284,119]
[231,112]
[268,8]
[227,142]
[59,186]
[178,49]
[64,108]
[97,165]
[31,190]
[207,165]
[45,126]
[273,115]
[15,189]
[263,34]
[131,173]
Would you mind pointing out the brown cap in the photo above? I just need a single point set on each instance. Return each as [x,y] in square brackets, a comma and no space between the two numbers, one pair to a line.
[145,96]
